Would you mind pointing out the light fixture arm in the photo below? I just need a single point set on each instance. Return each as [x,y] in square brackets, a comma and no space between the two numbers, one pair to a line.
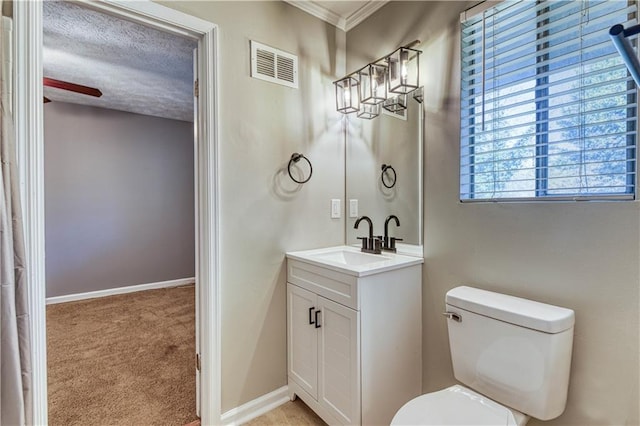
[619,36]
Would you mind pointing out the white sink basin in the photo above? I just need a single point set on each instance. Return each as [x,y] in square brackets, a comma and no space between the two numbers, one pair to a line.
[354,262]
[348,257]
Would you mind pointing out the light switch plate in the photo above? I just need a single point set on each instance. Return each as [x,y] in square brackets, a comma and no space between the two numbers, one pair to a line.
[353,208]
[335,208]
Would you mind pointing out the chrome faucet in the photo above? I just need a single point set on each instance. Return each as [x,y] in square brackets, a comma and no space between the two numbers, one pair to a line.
[389,244]
[370,244]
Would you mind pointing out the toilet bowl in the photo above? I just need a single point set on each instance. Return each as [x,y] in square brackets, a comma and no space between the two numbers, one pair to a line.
[457,405]
[515,354]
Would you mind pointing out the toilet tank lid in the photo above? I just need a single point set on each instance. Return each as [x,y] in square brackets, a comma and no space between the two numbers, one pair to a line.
[511,309]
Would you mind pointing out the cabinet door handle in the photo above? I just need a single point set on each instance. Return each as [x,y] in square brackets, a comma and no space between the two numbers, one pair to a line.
[317,320]
[453,315]
[311,315]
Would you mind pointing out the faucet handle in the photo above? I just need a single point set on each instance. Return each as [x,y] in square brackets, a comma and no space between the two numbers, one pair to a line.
[392,243]
[365,241]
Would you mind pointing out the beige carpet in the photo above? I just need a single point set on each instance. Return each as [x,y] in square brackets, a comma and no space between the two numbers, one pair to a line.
[123,360]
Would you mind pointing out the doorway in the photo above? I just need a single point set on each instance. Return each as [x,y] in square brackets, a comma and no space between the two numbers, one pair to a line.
[29,141]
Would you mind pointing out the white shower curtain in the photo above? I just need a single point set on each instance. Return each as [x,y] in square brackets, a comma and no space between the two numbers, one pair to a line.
[15,357]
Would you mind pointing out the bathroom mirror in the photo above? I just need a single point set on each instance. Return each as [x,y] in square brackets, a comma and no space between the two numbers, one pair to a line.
[393,142]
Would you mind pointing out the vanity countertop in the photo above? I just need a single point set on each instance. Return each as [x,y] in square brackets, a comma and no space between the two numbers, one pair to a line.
[350,260]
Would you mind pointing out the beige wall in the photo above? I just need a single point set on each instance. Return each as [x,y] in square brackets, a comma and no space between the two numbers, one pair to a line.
[584,256]
[263,214]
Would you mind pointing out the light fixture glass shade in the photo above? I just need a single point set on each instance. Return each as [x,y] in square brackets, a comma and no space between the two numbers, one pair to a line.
[404,70]
[369,111]
[418,94]
[395,103]
[373,83]
[347,99]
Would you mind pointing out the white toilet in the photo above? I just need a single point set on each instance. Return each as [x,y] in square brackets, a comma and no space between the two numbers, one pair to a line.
[514,353]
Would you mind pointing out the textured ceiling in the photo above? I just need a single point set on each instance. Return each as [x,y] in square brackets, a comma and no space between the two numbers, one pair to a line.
[138,69]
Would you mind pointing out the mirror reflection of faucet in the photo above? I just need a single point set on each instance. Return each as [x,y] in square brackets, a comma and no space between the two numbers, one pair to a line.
[389,243]
[370,244]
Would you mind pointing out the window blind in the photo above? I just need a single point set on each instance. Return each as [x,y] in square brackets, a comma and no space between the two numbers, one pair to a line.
[548,109]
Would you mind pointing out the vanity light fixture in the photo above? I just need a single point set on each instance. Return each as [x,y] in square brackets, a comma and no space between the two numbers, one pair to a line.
[373,83]
[418,94]
[395,104]
[347,97]
[404,70]
[385,81]
[369,111]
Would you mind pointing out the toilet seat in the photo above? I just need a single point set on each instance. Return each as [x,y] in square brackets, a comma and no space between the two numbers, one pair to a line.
[457,405]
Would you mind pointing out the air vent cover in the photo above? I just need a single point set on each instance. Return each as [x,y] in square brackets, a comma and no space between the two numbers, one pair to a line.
[274,65]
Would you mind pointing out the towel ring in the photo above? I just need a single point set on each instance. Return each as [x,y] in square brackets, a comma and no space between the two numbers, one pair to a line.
[295,157]
[385,168]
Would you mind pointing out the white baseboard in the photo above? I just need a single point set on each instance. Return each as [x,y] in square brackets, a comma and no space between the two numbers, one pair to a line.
[256,408]
[119,290]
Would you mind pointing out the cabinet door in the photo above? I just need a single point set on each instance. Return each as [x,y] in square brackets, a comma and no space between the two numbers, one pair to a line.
[302,338]
[339,361]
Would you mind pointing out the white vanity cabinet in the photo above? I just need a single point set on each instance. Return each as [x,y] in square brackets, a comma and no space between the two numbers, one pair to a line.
[354,336]
[324,352]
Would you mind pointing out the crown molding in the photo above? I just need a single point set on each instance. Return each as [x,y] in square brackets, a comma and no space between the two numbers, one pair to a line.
[318,11]
[343,23]
[363,13]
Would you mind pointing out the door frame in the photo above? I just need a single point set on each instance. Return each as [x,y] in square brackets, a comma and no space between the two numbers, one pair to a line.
[28,118]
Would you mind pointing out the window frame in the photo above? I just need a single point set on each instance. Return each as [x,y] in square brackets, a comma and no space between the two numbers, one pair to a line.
[541,145]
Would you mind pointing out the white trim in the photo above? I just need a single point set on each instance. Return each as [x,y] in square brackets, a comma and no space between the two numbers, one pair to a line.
[256,407]
[118,290]
[30,143]
[208,272]
[313,8]
[363,13]
[343,23]
[30,153]
[196,118]
[159,17]
[551,199]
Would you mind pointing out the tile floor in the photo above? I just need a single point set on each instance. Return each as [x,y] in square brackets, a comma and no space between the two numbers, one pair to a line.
[294,413]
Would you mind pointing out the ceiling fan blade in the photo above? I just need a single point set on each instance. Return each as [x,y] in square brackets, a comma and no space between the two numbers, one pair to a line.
[46,100]
[65,85]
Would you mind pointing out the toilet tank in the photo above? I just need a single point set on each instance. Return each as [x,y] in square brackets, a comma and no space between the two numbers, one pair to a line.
[515,351]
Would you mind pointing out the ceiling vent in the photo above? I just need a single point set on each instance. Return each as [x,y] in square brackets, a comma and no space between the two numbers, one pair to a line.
[274,65]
